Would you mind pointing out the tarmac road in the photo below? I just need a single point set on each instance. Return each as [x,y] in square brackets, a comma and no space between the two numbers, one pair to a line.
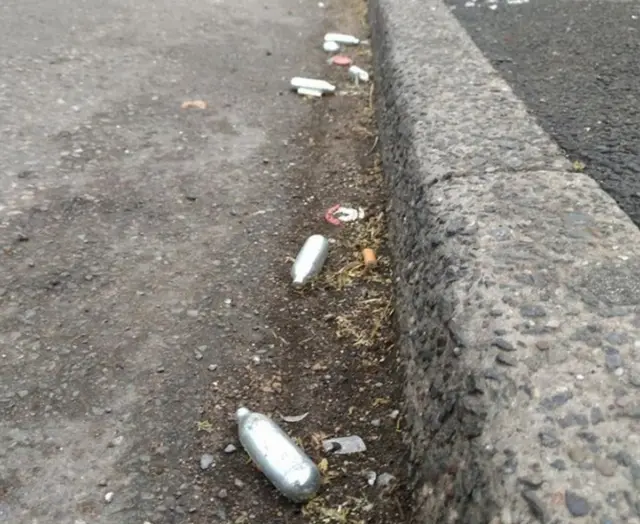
[135,236]
[575,64]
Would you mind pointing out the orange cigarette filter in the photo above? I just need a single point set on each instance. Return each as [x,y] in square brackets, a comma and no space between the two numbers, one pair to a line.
[369,257]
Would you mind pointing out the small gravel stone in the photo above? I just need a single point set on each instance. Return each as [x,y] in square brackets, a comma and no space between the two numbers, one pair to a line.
[573,419]
[197,355]
[543,345]
[549,439]
[616,338]
[505,360]
[536,506]
[206,461]
[503,344]
[578,454]
[531,481]
[588,436]
[612,358]
[623,458]
[238,483]
[116,441]
[597,416]
[557,400]
[559,464]
[230,448]
[605,466]
[108,498]
[577,505]
[533,311]
[212,367]
[223,494]
[632,410]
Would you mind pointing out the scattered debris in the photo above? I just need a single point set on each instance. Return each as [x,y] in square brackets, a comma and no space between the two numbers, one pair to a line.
[369,257]
[337,214]
[205,425]
[229,449]
[238,483]
[358,74]
[344,445]
[206,461]
[371,477]
[295,418]
[341,38]
[348,512]
[330,46]
[323,466]
[289,469]
[385,479]
[298,82]
[310,260]
[305,91]
[108,498]
[194,104]
[340,60]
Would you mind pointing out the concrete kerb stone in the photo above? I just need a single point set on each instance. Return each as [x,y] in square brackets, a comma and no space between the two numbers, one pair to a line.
[518,293]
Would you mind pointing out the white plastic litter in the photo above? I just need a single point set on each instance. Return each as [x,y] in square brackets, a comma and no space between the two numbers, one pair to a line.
[344,445]
[341,38]
[348,214]
[298,82]
[330,46]
[304,91]
[358,74]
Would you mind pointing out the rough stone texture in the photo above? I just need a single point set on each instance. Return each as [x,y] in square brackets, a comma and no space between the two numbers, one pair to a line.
[498,246]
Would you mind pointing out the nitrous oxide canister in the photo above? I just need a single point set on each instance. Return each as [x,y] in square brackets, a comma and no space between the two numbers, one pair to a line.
[288,468]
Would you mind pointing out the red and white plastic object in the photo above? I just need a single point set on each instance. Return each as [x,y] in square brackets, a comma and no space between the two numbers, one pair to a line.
[338,214]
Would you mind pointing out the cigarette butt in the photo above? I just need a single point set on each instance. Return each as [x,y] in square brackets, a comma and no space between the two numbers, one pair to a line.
[369,257]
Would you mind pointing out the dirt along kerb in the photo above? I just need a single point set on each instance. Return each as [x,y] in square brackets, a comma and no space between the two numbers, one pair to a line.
[518,288]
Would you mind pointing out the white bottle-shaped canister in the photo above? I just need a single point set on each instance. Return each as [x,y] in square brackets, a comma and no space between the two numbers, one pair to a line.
[288,468]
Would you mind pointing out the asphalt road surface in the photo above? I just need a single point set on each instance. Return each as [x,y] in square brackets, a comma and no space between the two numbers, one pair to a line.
[575,64]
[134,239]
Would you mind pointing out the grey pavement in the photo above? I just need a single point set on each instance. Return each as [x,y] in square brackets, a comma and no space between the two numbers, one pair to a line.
[517,292]
[574,64]
[135,237]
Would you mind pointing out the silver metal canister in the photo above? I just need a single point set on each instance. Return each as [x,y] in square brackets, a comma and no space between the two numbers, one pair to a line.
[288,468]
[358,74]
[341,38]
[330,46]
[310,260]
[298,82]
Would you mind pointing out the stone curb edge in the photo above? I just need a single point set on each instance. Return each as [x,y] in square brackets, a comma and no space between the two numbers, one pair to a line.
[518,292]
